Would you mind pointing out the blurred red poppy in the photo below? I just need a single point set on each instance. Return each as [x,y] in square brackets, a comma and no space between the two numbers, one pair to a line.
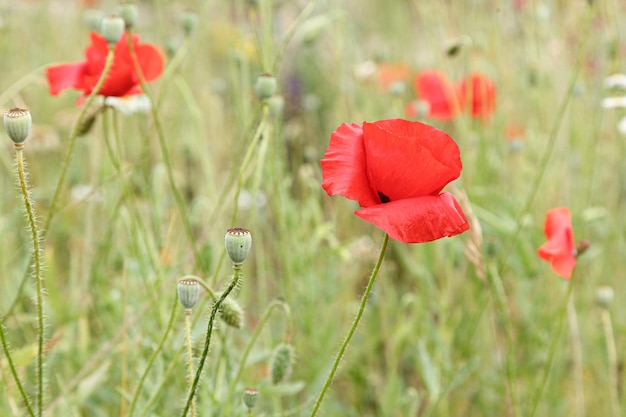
[395,170]
[388,74]
[122,79]
[559,250]
[477,94]
[435,89]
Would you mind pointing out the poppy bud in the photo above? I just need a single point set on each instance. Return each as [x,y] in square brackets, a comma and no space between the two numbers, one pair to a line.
[250,396]
[189,21]
[17,123]
[281,363]
[231,313]
[112,29]
[238,243]
[265,86]
[188,292]
[604,297]
[276,106]
[128,12]
[93,19]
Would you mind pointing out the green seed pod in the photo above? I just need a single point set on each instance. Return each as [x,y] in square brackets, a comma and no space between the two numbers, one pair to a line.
[250,396]
[265,86]
[93,19]
[238,243]
[188,292]
[112,29]
[281,363]
[276,105]
[17,123]
[232,313]
[189,21]
[128,12]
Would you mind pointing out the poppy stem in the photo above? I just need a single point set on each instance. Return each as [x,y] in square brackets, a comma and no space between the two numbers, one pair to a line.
[355,324]
[207,342]
[552,352]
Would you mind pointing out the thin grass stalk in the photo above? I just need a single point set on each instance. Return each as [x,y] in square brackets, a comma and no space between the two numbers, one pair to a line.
[155,354]
[613,365]
[353,328]
[16,378]
[552,352]
[577,357]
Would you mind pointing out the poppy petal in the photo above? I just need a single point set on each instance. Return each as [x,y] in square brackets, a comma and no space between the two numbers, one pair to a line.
[434,88]
[409,159]
[559,250]
[343,167]
[150,61]
[61,77]
[478,93]
[418,220]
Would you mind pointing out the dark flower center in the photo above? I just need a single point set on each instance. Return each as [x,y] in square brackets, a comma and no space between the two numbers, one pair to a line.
[383,198]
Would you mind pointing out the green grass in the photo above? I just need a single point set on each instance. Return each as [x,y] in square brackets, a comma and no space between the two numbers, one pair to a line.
[436,339]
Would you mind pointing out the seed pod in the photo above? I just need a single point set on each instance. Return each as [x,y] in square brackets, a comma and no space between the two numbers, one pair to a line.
[17,123]
[188,292]
[112,29]
[238,243]
[250,396]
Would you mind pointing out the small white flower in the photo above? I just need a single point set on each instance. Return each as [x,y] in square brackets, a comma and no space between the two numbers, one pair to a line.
[613,102]
[139,103]
[615,81]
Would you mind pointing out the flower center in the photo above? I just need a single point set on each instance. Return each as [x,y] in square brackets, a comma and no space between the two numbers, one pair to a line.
[383,198]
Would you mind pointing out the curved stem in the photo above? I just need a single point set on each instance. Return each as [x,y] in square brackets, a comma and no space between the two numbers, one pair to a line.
[32,225]
[207,342]
[180,204]
[355,323]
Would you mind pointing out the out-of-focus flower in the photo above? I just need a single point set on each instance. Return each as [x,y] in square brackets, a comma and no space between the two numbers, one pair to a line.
[396,170]
[128,105]
[615,81]
[122,80]
[390,74]
[477,94]
[435,89]
[559,250]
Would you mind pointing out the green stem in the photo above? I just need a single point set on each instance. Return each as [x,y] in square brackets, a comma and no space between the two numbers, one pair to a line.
[16,378]
[32,225]
[611,354]
[189,355]
[207,342]
[166,156]
[552,353]
[156,353]
[355,323]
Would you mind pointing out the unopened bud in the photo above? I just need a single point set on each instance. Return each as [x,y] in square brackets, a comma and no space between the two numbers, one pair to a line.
[265,86]
[238,242]
[189,21]
[128,12]
[112,29]
[188,292]
[281,363]
[250,396]
[232,313]
[604,297]
[17,123]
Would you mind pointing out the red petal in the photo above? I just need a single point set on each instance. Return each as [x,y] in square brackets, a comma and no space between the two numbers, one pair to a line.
[479,91]
[65,76]
[433,87]
[418,220]
[559,250]
[409,159]
[150,61]
[343,167]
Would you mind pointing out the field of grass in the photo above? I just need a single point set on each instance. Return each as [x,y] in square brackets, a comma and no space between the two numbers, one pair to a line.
[472,325]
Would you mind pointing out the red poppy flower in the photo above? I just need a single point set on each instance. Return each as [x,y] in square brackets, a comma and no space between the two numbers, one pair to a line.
[395,170]
[477,94]
[434,88]
[122,79]
[559,250]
